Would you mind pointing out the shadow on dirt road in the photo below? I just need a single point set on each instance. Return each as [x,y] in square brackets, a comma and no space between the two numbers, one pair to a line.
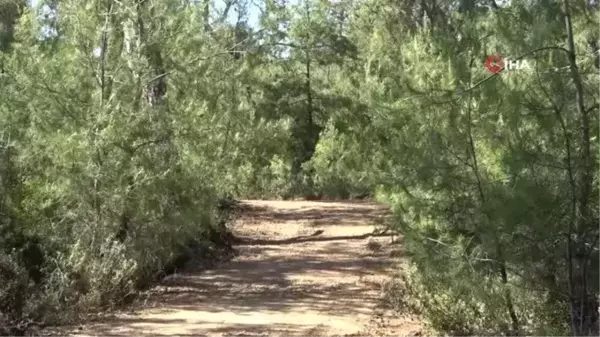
[286,280]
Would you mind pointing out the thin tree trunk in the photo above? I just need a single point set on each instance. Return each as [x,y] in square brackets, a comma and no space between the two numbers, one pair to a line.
[577,289]
[499,250]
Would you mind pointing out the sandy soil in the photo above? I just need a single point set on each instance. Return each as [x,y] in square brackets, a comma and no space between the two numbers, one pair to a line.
[283,282]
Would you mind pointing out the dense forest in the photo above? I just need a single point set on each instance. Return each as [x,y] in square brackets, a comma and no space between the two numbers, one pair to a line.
[124,124]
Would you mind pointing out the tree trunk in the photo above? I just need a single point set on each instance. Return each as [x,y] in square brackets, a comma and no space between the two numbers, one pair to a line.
[581,316]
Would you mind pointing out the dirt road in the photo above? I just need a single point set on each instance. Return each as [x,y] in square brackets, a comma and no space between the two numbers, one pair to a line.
[305,269]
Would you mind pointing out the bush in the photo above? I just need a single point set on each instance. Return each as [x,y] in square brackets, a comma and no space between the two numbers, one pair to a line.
[472,308]
[14,294]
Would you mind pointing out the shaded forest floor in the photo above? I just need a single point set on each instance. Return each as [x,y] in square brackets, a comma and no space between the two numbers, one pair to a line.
[302,268]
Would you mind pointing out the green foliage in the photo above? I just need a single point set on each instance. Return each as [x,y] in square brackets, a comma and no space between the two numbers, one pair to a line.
[337,167]
[122,124]
[480,170]
[471,307]
[93,168]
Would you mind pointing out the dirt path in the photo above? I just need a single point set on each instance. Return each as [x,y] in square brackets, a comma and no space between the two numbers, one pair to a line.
[284,281]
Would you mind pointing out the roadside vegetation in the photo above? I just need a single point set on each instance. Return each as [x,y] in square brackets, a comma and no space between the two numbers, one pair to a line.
[127,127]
